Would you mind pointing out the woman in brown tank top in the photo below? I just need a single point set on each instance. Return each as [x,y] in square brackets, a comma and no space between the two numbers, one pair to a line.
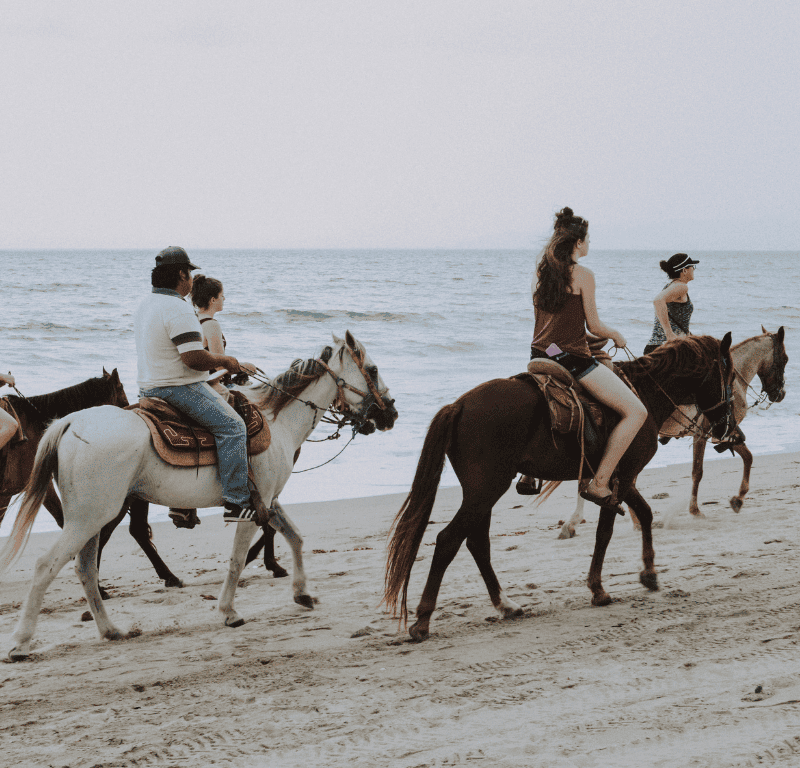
[564,303]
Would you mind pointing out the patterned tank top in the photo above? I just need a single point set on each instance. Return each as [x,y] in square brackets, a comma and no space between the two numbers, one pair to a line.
[680,315]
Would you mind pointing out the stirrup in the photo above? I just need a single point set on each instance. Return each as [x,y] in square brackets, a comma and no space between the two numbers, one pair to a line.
[526,488]
[184,518]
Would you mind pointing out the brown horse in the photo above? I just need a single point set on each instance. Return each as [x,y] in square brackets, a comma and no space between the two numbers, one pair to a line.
[502,428]
[34,414]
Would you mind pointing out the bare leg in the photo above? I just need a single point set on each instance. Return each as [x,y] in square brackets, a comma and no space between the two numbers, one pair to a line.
[747,459]
[606,387]
[697,474]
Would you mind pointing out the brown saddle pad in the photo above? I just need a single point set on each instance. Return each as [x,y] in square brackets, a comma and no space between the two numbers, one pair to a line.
[183,442]
[565,396]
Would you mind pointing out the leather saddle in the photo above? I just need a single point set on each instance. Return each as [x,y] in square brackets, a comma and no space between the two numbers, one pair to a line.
[182,442]
[569,404]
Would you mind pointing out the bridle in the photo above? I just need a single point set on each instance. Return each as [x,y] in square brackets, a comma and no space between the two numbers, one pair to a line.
[775,375]
[367,398]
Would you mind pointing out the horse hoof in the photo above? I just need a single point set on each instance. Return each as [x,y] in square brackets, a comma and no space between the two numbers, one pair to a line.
[603,598]
[103,594]
[567,532]
[115,634]
[15,654]
[513,613]
[306,601]
[173,582]
[649,580]
[736,503]
[418,633]
[278,572]
[234,624]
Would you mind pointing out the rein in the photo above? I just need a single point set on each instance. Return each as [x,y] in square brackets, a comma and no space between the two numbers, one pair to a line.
[693,424]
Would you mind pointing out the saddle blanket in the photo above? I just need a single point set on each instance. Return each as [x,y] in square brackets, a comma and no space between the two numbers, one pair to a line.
[183,442]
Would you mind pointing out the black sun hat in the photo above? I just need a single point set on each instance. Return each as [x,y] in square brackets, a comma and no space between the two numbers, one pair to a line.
[680,261]
[174,254]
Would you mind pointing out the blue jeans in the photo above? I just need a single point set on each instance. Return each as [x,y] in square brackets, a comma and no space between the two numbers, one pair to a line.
[208,408]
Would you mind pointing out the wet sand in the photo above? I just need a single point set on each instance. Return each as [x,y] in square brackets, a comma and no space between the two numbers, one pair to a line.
[702,673]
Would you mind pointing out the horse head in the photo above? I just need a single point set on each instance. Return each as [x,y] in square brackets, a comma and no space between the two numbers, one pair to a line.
[771,371]
[117,391]
[362,392]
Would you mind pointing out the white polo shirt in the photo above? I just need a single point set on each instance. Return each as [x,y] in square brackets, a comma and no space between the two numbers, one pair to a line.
[164,326]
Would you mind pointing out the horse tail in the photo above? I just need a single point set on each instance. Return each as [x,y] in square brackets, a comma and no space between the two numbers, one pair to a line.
[44,467]
[412,519]
[547,489]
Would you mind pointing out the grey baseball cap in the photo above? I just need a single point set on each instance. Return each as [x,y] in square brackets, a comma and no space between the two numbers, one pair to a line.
[174,254]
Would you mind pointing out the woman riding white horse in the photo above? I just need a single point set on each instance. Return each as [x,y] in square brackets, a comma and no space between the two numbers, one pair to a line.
[102,455]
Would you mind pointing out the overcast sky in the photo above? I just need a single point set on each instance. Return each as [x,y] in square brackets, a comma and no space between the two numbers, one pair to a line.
[441,123]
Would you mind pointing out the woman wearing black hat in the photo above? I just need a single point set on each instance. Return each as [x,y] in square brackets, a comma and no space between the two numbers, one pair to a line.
[673,305]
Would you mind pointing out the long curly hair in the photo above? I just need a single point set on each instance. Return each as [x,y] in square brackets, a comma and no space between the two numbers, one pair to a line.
[554,273]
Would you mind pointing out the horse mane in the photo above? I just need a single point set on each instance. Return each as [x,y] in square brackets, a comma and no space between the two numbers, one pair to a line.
[686,356]
[44,408]
[289,384]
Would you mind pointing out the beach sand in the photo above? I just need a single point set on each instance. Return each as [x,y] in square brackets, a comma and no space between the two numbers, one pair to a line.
[701,673]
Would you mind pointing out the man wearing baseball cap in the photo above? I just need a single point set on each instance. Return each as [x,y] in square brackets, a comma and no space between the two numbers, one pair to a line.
[173,365]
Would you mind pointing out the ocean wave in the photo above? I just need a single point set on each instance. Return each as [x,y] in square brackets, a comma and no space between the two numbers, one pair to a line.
[321,315]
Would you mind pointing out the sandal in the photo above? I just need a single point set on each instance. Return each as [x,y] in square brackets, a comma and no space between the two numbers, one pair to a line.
[607,500]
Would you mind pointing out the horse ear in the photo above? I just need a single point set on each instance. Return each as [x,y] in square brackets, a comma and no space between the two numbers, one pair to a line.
[336,339]
[764,330]
[106,374]
[725,344]
[350,339]
[780,335]
[115,375]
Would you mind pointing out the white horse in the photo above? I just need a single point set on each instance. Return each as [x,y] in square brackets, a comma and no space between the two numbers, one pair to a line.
[102,455]
[763,355]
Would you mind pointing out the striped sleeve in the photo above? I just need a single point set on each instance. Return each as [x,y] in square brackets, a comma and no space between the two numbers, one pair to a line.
[183,328]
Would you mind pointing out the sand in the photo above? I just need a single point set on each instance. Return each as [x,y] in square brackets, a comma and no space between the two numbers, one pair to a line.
[702,673]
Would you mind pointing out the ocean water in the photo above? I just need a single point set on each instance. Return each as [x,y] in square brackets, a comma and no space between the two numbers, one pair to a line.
[436,322]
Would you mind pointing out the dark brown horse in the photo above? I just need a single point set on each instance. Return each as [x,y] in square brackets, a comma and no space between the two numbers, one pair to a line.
[502,428]
[34,414]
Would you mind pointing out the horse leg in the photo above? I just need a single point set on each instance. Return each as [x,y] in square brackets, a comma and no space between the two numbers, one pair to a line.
[105,535]
[267,541]
[86,568]
[471,514]
[697,474]
[479,547]
[605,530]
[281,522]
[747,459]
[53,505]
[47,568]
[143,534]
[568,529]
[241,541]
[635,501]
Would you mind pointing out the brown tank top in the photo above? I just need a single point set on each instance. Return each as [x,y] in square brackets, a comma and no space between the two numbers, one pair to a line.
[566,328]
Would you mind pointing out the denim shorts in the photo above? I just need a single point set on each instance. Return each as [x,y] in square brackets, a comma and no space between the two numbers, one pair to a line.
[577,366]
